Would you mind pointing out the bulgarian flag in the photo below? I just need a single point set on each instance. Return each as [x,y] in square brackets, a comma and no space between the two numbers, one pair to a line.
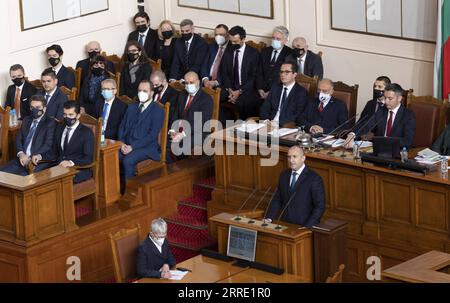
[442,60]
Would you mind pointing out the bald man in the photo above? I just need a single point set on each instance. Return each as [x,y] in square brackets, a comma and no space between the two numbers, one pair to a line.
[308,62]
[302,188]
[93,49]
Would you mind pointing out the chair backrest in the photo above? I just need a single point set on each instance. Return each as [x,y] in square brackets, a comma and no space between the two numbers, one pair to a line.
[96,127]
[70,93]
[4,129]
[163,134]
[177,86]
[77,72]
[156,65]
[309,83]
[215,95]
[116,60]
[37,84]
[126,99]
[124,246]
[208,39]
[116,77]
[320,54]
[259,46]
[337,277]
[431,116]
[349,95]
[406,94]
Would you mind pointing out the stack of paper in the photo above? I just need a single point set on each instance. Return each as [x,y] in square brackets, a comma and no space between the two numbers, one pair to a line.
[282,132]
[177,275]
[427,156]
[364,144]
[335,144]
[250,127]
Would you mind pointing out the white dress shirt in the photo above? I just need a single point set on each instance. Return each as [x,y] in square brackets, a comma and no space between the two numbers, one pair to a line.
[144,35]
[50,94]
[146,104]
[156,244]
[299,173]
[57,68]
[395,111]
[63,138]
[289,89]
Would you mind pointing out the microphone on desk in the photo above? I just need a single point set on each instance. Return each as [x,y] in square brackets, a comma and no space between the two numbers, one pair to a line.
[284,209]
[342,125]
[259,202]
[238,218]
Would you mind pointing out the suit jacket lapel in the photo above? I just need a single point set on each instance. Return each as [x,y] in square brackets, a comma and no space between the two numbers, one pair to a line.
[398,117]
[301,178]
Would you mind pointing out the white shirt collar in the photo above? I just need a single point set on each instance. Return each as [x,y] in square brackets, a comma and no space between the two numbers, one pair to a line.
[21,87]
[299,171]
[146,104]
[57,69]
[192,38]
[242,49]
[395,110]
[110,102]
[52,92]
[73,127]
[145,33]
[289,87]
[159,247]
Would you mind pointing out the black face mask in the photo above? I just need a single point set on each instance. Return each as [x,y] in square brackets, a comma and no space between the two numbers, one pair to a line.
[167,34]
[158,89]
[93,54]
[54,61]
[132,57]
[18,81]
[377,94]
[142,28]
[97,71]
[36,113]
[299,52]
[69,122]
[186,37]
[234,47]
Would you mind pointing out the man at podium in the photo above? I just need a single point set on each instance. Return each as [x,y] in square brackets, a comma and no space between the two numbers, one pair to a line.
[300,196]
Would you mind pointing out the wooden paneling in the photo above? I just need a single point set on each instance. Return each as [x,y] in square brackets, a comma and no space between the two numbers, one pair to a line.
[241,172]
[396,201]
[348,189]
[432,208]
[109,178]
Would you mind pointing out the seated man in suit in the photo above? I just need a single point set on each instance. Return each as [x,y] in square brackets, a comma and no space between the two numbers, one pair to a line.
[442,143]
[65,77]
[300,195]
[211,68]
[377,102]
[194,109]
[34,138]
[239,74]
[285,101]
[271,59]
[54,97]
[392,120]
[144,35]
[325,113]
[18,95]
[163,92]
[139,132]
[93,49]
[111,109]
[74,143]
[190,52]
[154,258]
[308,63]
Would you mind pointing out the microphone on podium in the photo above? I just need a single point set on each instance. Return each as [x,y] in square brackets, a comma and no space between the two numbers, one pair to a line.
[238,218]
[284,209]
[259,202]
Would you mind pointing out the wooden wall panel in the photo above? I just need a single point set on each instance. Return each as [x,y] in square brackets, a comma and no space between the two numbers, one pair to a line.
[432,208]
[396,201]
[348,188]
[7,224]
[241,171]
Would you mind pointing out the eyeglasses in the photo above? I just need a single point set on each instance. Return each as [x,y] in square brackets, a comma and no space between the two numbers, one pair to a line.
[285,72]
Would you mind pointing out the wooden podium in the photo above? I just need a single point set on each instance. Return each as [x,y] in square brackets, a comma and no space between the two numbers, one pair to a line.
[290,248]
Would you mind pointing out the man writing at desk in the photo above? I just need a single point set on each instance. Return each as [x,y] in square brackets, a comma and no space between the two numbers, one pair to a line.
[300,193]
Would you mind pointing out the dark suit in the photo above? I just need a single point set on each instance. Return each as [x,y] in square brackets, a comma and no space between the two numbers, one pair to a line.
[333,115]
[248,102]
[171,96]
[166,54]
[141,131]
[126,86]
[306,207]
[41,143]
[150,260]
[150,42]
[55,106]
[295,104]
[88,102]
[198,50]
[404,126]
[84,65]
[65,78]
[313,64]
[27,92]
[116,114]
[80,150]
[202,103]
[269,74]
[213,50]
[369,110]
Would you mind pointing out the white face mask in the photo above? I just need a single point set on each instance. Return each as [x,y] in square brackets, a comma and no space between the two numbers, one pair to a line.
[324,97]
[220,40]
[143,97]
[191,89]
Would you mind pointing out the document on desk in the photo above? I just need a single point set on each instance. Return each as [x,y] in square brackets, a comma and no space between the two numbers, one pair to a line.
[282,132]
[177,275]
[250,127]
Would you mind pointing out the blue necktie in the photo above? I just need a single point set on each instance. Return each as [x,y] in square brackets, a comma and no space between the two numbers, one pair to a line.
[293,181]
[141,40]
[105,111]
[30,135]
[47,97]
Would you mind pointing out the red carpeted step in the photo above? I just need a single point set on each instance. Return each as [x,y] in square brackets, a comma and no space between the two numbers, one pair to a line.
[81,211]
[187,222]
[194,202]
[180,231]
[193,212]
[194,243]
[201,192]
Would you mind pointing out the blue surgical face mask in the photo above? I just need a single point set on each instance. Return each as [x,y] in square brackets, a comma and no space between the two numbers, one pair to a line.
[276,44]
[107,94]
[191,89]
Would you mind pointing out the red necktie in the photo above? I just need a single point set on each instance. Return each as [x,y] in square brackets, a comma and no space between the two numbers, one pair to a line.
[389,124]
[188,105]
[321,107]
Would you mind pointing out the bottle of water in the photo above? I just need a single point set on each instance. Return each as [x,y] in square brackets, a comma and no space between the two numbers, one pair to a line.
[444,165]
[404,155]
[356,154]
[102,138]
[12,113]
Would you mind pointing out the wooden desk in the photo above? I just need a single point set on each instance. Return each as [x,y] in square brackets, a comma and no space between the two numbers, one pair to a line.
[423,269]
[207,270]
[395,215]
[109,174]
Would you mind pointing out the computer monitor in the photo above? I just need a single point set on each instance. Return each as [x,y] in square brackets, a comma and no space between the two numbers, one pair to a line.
[242,243]
[386,147]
